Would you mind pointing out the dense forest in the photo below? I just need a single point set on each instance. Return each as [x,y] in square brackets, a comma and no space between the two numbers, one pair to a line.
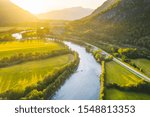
[113,25]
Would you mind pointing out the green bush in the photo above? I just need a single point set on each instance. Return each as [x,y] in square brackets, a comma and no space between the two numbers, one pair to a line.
[19,58]
[102,82]
[141,87]
[46,88]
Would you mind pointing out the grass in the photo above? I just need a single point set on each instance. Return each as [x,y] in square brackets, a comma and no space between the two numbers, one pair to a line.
[7,29]
[26,74]
[114,94]
[115,73]
[4,29]
[144,64]
[8,49]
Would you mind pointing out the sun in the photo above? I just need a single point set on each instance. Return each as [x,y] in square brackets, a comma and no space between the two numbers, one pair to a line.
[41,6]
[33,6]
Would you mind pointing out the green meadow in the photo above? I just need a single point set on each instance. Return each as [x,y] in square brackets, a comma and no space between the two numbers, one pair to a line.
[116,74]
[115,94]
[8,49]
[29,73]
[144,64]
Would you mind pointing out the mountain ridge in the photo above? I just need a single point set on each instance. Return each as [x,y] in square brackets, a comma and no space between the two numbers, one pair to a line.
[121,22]
[73,13]
[17,14]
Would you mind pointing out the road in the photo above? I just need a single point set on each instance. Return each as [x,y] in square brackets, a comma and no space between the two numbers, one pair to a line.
[132,70]
[144,77]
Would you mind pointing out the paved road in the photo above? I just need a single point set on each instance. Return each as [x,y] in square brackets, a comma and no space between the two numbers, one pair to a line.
[144,77]
[132,70]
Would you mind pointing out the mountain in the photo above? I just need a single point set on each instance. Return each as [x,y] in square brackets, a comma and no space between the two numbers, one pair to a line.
[118,22]
[12,14]
[66,14]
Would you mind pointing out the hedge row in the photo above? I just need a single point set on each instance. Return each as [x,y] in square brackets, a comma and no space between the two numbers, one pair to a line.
[141,87]
[102,81]
[46,88]
[21,57]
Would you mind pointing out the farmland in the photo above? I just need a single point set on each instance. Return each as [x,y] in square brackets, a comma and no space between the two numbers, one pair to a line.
[44,58]
[119,75]
[11,48]
[144,64]
[114,94]
[122,82]
[30,73]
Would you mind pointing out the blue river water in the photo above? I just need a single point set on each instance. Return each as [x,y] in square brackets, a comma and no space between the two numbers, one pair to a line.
[84,84]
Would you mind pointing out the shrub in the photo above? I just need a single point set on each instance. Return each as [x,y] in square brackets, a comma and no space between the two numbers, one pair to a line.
[46,88]
[102,82]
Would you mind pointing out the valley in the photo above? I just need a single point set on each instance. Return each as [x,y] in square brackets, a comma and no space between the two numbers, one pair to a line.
[105,55]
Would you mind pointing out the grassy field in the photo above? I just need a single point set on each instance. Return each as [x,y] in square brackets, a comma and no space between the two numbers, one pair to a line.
[7,29]
[120,75]
[144,64]
[25,74]
[8,49]
[114,94]
[4,29]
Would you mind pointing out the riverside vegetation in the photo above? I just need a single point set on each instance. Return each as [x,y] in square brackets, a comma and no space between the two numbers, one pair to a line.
[113,28]
[34,69]
[116,82]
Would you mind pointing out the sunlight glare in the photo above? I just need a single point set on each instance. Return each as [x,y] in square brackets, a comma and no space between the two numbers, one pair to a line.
[41,6]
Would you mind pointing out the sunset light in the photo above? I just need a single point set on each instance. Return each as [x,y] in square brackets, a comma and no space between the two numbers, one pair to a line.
[40,6]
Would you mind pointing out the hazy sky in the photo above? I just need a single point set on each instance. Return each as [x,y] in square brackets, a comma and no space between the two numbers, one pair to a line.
[39,6]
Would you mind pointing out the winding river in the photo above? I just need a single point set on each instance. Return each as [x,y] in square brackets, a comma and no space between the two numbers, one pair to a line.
[84,84]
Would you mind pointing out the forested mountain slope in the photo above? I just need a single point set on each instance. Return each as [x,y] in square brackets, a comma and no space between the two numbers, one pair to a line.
[119,22]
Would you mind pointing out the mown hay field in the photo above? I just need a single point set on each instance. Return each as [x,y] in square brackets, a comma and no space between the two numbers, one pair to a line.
[144,64]
[8,49]
[29,73]
[116,74]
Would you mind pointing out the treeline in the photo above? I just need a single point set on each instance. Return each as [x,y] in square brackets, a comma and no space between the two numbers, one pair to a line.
[129,53]
[141,87]
[102,81]
[39,32]
[21,57]
[44,89]
[126,54]
[100,56]
[115,35]
[6,37]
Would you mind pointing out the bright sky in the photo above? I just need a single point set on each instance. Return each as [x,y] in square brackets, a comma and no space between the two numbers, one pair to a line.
[40,6]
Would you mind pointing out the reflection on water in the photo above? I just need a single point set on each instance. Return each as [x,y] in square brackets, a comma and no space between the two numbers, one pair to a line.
[83,84]
[18,36]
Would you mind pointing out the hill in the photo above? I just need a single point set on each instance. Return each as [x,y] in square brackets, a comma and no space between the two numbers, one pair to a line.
[66,14]
[122,23]
[12,14]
